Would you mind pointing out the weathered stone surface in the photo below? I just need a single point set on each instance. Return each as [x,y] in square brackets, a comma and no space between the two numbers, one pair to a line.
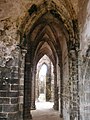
[13,116]
[9,94]
[14,100]
[17,18]
[3,116]
[15,87]
[10,108]
[4,100]
[0,108]
[4,87]
[14,80]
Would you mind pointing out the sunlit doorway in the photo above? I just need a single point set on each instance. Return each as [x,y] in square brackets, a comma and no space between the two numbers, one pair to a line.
[44,84]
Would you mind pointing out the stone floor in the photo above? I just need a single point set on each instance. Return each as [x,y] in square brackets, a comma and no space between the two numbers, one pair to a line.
[44,111]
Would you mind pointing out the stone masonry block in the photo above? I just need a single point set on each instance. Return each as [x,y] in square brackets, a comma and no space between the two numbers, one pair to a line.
[9,94]
[4,87]
[21,92]
[14,100]
[4,100]
[21,82]
[14,87]
[21,87]
[14,81]
[0,108]
[3,116]
[13,116]
[21,99]
[10,108]
[13,94]
[15,75]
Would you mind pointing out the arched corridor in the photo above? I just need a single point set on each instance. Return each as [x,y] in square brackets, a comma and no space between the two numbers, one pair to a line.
[45,58]
[49,35]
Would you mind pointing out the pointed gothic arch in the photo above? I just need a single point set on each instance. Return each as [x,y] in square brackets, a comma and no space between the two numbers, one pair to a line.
[39,28]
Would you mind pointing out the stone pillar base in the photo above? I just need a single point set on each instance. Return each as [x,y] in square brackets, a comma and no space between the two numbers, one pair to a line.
[27,115]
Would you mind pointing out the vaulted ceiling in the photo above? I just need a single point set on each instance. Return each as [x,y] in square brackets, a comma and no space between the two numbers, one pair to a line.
[46,23]
[46,35]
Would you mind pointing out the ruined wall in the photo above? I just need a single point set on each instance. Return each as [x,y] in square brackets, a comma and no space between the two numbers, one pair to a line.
[11,94]
[9,54]
[85,63]
[9,60]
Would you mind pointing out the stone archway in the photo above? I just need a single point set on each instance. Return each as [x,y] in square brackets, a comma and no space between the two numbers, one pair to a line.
[48,77]
[51,36]
[33,29]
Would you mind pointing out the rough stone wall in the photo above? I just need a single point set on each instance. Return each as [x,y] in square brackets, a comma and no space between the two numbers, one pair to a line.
[9,88]
[11,14]
[9,59]
[85,65]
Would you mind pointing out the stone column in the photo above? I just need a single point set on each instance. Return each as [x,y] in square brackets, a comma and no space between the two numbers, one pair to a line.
[52,84]
[33,107]
[21,81]
[74,81]
[56,105]
[61,90]
[48,83]
[37,85]
[27,87]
